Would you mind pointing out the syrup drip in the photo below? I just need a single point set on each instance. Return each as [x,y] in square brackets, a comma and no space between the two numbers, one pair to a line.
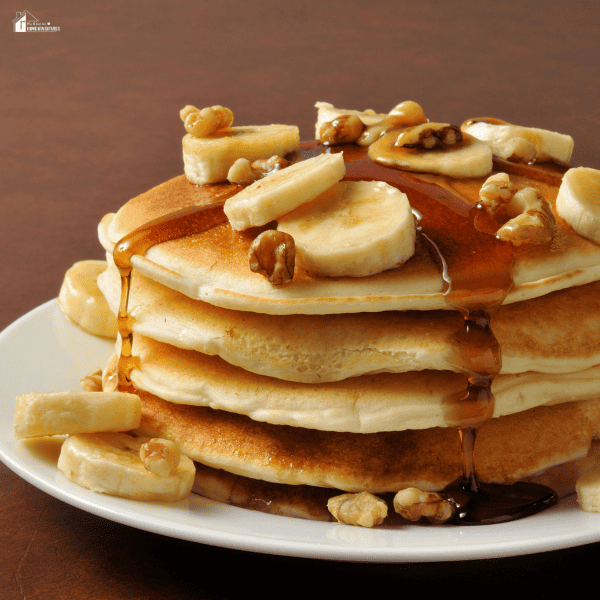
[477,273]
[184,222]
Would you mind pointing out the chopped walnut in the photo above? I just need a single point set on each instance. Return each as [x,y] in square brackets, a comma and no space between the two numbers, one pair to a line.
[160,456]
[92,382]
[202,123]
[344,129]
[495,193]
[405,114]
[362,509]
[244,172]
[412,504]
[531,218]
[429,136]
[273,254]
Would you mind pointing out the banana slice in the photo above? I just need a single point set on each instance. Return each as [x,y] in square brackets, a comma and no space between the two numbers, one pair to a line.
[327,112]
[83,303]
[466,158]
[578,201]
[208,159]
[284,190]
[549,145]
[110,463]
[353,229]
[58,413]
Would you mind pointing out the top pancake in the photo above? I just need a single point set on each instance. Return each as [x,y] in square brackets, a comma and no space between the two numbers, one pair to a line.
[213,266]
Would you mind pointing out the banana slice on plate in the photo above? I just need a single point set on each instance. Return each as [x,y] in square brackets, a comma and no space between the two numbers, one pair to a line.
[500,135]
[464,157]
[82,302]
[355,228]
[59,413]
[578,201]
[110,463]
[282,191]
[208,159]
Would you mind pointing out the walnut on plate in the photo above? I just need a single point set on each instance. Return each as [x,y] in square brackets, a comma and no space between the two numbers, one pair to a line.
[412,504]
[363,509]
[273,254]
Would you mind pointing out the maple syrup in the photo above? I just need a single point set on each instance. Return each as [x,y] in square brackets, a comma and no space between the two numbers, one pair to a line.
[476,269]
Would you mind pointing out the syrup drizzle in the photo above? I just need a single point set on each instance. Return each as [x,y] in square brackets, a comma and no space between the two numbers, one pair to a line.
[476,270]
[185,222]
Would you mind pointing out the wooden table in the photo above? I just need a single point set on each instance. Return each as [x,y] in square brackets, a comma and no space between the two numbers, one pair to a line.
[89,118]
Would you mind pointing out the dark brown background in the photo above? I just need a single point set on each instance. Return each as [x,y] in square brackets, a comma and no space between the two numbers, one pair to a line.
[89,118]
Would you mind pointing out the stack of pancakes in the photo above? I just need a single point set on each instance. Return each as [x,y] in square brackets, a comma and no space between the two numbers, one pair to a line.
[284,395]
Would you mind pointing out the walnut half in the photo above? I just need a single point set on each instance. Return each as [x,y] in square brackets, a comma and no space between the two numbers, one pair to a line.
[362,509]
[344,129]
[202,123]
[244,172]
[531,220]
[429,136]
[412,504]
[273,254]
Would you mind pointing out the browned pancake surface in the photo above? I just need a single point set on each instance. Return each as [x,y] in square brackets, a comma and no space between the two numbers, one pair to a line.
[508,448]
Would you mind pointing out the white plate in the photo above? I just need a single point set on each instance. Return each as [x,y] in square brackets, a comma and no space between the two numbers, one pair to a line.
[42,351]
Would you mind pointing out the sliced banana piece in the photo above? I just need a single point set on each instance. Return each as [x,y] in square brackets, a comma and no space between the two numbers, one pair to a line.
[83,303]
[467,158]
[110,463]
[59,413]
[353,229]
[284,190]
[208,159]
[578,201]
[549,145]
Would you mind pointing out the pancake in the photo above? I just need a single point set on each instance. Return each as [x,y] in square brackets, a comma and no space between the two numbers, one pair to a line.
[363,404]
[213,266]
[508,448]
[291,347]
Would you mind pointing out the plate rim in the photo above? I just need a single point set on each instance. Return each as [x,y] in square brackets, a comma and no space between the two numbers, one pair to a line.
[365,548]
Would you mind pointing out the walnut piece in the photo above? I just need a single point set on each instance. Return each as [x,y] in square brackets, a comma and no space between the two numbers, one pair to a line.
[405,114]
[362,509]
[412,504]
[429,136]
[531,220]
[202,123]
[244,172]
[92,382]
[160,456]
[273,254]
[344,129]
[495,193]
